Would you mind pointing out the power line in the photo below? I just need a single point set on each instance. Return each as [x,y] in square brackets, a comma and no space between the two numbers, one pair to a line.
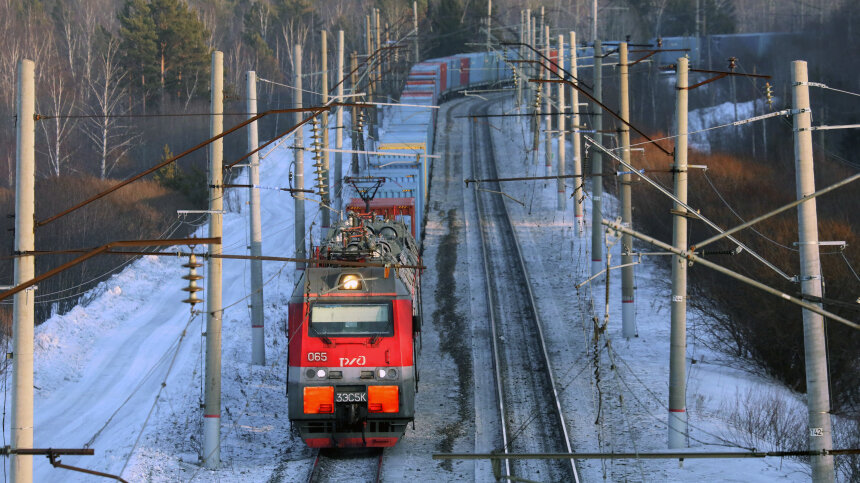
[39,117]
[824,86]
[720,196]
[784,112]
[842,252]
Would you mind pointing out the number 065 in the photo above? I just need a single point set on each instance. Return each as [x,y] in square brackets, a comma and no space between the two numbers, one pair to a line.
[317,357]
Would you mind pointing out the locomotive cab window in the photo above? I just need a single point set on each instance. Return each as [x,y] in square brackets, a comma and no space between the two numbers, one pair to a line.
[351,320]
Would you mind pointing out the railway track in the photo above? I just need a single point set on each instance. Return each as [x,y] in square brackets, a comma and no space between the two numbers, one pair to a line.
[530,412]
[354,465]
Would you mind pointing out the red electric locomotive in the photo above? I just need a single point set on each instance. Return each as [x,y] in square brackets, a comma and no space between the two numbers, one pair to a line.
[354,338]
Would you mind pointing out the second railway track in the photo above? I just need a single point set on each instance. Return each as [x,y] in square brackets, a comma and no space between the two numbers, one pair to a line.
[532,420]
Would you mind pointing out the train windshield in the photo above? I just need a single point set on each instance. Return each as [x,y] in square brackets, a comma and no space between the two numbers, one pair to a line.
[351,320]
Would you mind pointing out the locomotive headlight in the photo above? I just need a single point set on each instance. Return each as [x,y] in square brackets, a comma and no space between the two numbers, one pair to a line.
[386,373]
[321,373]
[350,282]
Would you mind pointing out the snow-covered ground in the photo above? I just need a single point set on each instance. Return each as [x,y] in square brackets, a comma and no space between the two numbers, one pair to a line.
[99,368]
[633,372]
[707,117]
[123,374]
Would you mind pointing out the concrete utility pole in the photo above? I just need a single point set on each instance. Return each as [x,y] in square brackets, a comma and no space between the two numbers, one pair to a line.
[415,26]
[547,105]
[678,332]
[817,391]
[389,62]
[628,314]
[536,122]
[597,166]
[516,67]
[377,113]
[299,202]
[214,311]
[489,21]
[23,320]
[527,54]
[338,135]
[371,83]
[578,182]
[258,345]
[561,128]
[325,196]
[594,20]
[533,56]
[353,123]
[542,24]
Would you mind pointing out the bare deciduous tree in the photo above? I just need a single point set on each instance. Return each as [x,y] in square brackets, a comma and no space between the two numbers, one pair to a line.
[111,136]
[58,125]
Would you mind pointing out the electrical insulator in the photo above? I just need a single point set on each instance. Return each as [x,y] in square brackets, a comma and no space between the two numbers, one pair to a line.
[316,145]
[192,278]
[768,92]
[360,123]
[733,63]
[659,42]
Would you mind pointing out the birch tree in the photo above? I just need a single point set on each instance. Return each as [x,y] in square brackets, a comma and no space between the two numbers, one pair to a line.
[110,135]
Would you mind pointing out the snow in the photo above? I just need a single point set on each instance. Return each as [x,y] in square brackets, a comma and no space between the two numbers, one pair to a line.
[707,117]
[123,373]
[635,369]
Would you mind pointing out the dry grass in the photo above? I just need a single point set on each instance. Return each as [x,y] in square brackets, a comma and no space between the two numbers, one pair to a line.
[142,210]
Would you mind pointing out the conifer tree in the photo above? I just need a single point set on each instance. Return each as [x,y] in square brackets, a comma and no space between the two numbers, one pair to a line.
[138,46]
[165,46]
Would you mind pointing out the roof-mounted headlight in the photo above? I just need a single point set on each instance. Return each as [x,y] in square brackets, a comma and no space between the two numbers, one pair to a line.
[350,282]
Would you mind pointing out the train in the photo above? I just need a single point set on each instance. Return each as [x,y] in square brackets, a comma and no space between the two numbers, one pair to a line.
[354,332]
[355,336]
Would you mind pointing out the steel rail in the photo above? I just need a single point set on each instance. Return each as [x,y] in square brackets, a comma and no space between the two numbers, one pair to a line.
[491,303]
[538,324]
[314,467]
